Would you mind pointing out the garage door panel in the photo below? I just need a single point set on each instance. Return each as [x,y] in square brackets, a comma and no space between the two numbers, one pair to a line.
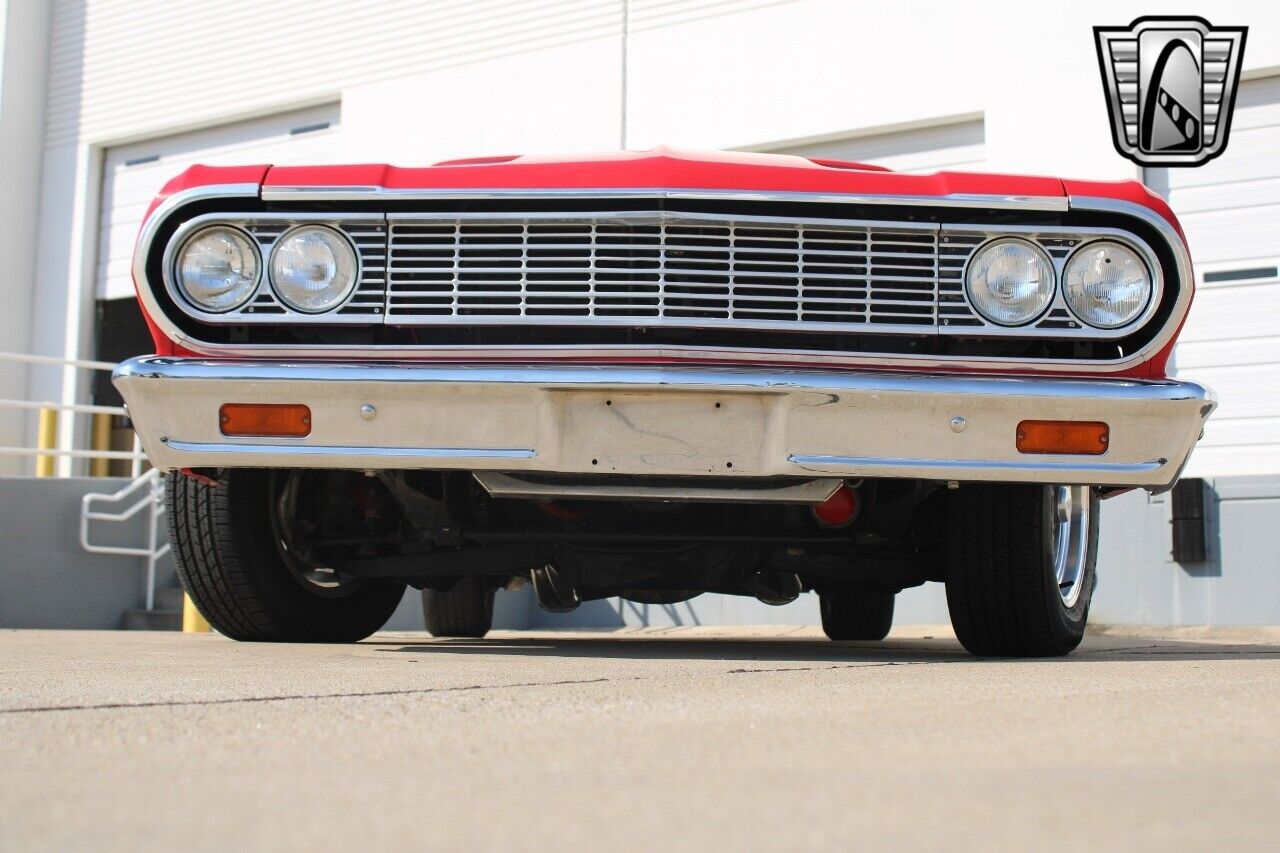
[1257,103]
[1241,197]
[1250,155]
[957,146]
[1244,391]
[234,139]
[1239,432]
[117,267]
[1230,352]
[1231,461]
[1230,234]
[133,174]
[1232,313]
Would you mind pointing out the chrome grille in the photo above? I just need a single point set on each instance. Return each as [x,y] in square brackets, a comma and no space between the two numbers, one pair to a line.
[370,239]
[659,269]
[662,269]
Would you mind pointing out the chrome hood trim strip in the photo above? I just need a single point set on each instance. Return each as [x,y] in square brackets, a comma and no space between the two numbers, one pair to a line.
[363,193]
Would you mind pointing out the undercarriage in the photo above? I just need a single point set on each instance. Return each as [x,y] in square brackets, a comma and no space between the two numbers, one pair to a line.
[429,529]
[324,555]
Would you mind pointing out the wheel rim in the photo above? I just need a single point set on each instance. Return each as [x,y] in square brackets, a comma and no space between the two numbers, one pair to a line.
[1071,541]
[318,580]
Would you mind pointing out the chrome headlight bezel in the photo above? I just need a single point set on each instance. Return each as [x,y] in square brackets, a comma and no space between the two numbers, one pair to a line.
[346,291]
[238,234]
[1047,298]
[1071,303]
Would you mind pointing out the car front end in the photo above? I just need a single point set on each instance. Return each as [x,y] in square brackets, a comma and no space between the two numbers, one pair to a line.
[515,369]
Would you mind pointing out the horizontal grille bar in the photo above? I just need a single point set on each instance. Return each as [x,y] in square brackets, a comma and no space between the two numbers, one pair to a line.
[369,298]
[658,269]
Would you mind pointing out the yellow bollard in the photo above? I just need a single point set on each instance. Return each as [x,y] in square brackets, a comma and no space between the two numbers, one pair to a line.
[192,621]
[99,467]
[47,439]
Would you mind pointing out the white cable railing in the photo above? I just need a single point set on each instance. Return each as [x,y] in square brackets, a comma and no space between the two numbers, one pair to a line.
[135,455]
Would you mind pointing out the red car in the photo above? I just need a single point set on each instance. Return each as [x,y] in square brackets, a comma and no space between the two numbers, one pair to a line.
[653,375]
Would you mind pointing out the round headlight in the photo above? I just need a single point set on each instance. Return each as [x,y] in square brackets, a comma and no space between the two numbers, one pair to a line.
[1106,284]
[313,269]
[1010,281]
[218,268]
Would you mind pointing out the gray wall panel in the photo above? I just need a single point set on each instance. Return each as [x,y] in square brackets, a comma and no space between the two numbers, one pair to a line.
[46,579]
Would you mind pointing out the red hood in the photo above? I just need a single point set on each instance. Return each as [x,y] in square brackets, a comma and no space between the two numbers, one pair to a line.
[674,169]
[663,168]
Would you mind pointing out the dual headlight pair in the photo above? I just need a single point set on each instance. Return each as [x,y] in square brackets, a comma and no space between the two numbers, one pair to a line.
[312,269]
[1010,281]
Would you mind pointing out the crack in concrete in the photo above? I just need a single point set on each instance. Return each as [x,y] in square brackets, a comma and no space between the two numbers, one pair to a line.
[182,703]
[858,665]
[195,703]
[423,691]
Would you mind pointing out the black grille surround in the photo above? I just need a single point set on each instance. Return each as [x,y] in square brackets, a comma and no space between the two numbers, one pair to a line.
[708,320]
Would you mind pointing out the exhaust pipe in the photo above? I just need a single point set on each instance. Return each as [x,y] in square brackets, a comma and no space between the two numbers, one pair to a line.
[555,592]
[775,588]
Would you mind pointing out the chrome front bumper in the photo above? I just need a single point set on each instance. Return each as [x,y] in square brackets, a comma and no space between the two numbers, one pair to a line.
[661,421]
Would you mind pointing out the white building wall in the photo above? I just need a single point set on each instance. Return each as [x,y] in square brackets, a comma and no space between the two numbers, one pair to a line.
[419,82]
[120,70]
[24,42]
[566,99]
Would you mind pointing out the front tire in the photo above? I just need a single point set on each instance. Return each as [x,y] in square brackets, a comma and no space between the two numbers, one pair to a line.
[853,614]
[228,552]
[1021,566]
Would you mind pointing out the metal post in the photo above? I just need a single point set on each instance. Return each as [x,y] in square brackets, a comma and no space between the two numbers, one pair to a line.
[135,466]
[192,621]
[101,440]
[153,524]
[47,439]
[155,491]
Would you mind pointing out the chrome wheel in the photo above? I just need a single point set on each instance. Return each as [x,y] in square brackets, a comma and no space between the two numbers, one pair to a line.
[1071,541]
[319,580]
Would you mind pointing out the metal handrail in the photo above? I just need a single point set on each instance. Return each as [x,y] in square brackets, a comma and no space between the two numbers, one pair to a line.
[127,455]
[86,408]
[152,500]
[135,455]
[29,358]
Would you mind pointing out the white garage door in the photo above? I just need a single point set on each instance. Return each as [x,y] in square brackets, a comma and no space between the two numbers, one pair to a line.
[1230,209]
[957,147]
[133,174]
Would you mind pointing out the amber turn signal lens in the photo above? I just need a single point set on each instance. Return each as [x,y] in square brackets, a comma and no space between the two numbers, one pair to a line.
[1086,437]
[287,420]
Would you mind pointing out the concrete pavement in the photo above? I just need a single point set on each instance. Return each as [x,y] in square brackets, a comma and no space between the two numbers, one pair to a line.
[675,739]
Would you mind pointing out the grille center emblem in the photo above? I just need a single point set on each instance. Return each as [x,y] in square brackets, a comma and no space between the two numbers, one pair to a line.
[1171,86]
